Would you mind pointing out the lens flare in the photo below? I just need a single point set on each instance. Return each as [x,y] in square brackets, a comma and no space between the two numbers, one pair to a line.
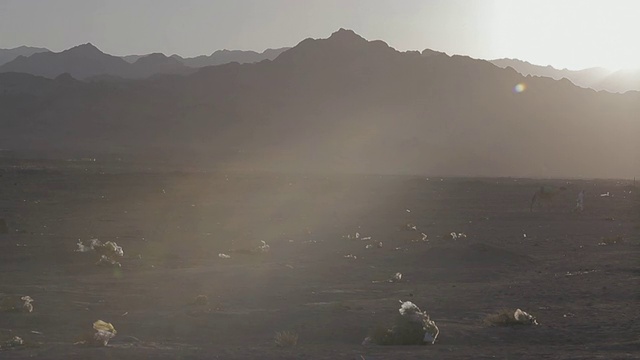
[521,87]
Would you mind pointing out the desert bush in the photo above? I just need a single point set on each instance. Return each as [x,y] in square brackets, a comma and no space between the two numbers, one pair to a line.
[404,332]
[100,336]
[380,335]
[286,339]
[411,327]
[509,317]
[503,317]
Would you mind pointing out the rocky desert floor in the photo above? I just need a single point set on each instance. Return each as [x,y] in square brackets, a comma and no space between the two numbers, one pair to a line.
[577,273]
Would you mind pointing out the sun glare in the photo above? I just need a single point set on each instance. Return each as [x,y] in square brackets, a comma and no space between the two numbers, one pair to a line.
[568,34]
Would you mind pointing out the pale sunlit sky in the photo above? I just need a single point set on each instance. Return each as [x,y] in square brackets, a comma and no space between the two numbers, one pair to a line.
[574,34]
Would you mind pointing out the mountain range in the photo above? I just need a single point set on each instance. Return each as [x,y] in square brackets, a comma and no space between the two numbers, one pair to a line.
[220,57]
[341,104]
[87,62]
[595,78]
[7,55]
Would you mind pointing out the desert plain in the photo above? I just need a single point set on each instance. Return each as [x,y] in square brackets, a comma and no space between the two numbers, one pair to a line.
[576,272]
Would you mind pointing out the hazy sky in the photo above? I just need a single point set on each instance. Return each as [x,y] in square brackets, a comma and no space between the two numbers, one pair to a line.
[564,33]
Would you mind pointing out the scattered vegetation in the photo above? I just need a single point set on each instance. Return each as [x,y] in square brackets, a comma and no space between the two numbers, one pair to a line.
[286,339]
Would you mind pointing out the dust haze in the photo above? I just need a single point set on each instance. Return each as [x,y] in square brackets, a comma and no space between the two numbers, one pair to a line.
[332,198]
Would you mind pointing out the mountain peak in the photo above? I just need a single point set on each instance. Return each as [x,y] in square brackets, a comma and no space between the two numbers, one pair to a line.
[342,44]
[346,35]
[84,49]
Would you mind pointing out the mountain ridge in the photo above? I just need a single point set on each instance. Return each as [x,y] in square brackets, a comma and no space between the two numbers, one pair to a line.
[596,78]
[80,61]
[341,104]
[86,61]
[7,55]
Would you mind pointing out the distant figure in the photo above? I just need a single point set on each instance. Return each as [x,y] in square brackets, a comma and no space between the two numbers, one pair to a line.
[545,194]
[580,202]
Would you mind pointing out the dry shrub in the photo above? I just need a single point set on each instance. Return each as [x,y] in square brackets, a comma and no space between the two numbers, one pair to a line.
[381,335]
[411,327]
[100,336]
[507,317]
[407,332]
[286,339]
[404,332]
[201,300]
[503,317]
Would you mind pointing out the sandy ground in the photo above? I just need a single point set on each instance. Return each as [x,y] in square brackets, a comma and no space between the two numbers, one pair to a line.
[173,225]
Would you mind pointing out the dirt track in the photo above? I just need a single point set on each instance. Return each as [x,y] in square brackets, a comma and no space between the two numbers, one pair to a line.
[173,225]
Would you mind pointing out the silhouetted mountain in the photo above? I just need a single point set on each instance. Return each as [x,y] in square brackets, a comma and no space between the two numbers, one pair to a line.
[86,61]
[621,81]
[133,58]
[228,56]
[220,57]
[7,55]
[158,64]
[342,104]
[594,78]
[89,63]
[81,61]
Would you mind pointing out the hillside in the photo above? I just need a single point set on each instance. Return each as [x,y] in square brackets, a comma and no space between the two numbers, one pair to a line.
[342,104]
